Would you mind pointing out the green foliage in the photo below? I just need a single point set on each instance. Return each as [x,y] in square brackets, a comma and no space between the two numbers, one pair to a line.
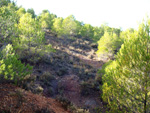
[4,2]
[8,20]
[10,67]
[57,26]
[46,19]
[102,70]
[117,31]
[127,34]
[31,39]
[70,26]
[31,11]
[27,38]
[45,11]
[30,27]
[30,32]
[126,80]
[108,44]
[106,28]
[87,30]
[98,33]
[21,12]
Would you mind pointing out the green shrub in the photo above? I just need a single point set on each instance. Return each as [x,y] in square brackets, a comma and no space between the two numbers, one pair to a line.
[101,72]
[28,81]
[11,68]
[4,2]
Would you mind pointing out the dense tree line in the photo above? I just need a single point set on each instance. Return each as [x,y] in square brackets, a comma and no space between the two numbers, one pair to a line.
[71,26]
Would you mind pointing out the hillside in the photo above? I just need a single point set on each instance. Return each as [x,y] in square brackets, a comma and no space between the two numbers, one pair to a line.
[66,75]
[70,71]
[75,63]
[51,64]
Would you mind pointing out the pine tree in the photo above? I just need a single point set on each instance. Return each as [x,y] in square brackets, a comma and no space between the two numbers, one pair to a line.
[126,81]
[31,43]
[30,35]
[8,20]
[57,26]
[11,68]
[108,44]
[46,19]
[87,31]
[69,25]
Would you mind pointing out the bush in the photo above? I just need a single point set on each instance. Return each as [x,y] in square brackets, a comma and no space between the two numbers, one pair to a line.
[108,45]
[46,78]
[28,81]
[101,72]
[11,68]
[62,71]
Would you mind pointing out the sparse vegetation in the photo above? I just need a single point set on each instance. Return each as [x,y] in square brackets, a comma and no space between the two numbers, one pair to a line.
[46,78]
